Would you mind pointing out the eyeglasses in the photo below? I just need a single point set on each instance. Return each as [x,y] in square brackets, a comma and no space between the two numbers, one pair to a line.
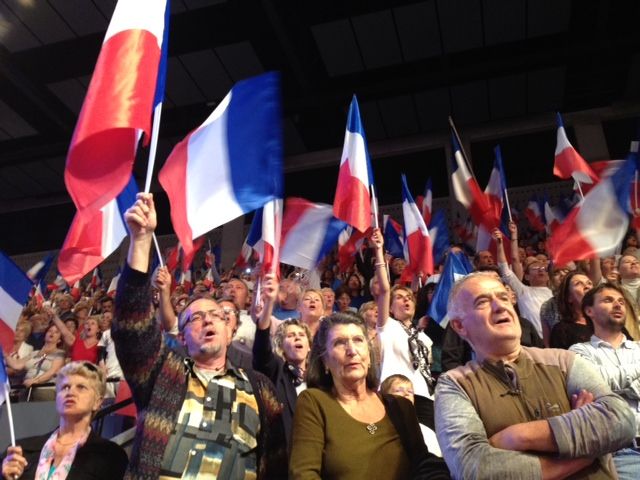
[538,269]
[228,311]
[218,315]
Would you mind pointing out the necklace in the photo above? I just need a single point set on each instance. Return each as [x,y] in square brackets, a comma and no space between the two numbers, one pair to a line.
[372,428]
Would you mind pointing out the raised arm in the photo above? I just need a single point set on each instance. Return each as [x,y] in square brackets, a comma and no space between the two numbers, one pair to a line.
[380,266]
[516,265]
[68,337]
[18,364]
[141,222]
[270,286]
[165,312]
[595,270]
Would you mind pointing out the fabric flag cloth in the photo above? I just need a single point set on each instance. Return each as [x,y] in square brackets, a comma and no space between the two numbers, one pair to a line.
[40,269]
[93,236]
[173,257]
[264,236]
[230,165]
[393,239]
[352,203]
[244,257]
[417,241]
[309,232]
[118,105]
[425,202]
[568,162]
[113,285]
[350,241]
[596,226]
[455,267]
[187,260]
[96,279]
[439,233]
[534,214]
[59,283]
[14,293]
[553,217]
[467,191]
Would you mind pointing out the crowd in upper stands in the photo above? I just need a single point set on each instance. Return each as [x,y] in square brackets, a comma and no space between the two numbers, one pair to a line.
[297,327]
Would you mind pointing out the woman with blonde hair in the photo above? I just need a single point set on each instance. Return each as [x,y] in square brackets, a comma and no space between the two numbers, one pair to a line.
[73,450]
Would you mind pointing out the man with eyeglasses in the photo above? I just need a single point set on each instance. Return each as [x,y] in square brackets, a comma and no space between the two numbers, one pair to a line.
[531,296]
[198,414]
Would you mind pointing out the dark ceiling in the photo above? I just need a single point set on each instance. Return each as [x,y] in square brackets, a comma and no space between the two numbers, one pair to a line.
[485,62]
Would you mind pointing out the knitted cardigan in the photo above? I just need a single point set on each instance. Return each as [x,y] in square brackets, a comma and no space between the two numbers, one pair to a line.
[157,376]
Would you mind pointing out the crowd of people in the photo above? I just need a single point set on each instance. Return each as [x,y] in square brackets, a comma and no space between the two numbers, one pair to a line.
[340,372]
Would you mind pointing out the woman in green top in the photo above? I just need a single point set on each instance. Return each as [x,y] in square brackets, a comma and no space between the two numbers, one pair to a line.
[342,428]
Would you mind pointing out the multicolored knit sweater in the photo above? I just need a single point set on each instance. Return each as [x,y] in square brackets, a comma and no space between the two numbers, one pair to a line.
[158,376]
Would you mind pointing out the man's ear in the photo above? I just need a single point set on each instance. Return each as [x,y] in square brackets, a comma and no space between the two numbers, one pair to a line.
[458,327]
[589,311]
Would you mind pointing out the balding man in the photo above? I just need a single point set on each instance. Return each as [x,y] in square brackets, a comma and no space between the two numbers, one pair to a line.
[508,414]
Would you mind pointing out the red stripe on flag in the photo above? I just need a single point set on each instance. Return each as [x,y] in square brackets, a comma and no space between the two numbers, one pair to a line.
[352,203]
[82,248]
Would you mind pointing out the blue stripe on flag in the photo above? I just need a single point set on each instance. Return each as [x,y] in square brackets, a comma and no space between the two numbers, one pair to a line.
[13,280]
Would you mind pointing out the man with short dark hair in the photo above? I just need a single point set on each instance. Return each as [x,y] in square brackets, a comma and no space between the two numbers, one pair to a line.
[618,360]
[198,414]
[508,414]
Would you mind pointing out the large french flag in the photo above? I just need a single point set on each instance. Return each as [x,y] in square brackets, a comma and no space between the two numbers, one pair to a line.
[231,164]
[309,232]
[596,226]
[265,233]
[118,105]
[14,293]
[93,236]
[417,241]
[352,203]
[568,162]
[495,192]
[467,191]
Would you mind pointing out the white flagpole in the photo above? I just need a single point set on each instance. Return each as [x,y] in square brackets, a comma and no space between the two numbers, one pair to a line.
[374,206]
[579,188]
[506,199]
[155,129]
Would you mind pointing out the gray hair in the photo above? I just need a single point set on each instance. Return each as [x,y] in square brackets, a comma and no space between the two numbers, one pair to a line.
[454,310]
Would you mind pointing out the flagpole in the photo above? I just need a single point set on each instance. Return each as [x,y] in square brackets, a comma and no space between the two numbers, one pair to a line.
[155,129]
[374,206]
[506,199]
[464,155]
[635,193]
[579,188]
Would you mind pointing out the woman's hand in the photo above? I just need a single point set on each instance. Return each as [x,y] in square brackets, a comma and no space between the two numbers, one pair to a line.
[29,383]
[14,463]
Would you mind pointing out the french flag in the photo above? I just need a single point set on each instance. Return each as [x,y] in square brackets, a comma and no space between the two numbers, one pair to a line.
[93,236]
[553,217]
[456,267]
[40,269]
[264,236]
[231,164]
[393,239]
[350,241]
[118,105]
[352,203]
[533,213]
[113,285]
[417,241]
[596,226]
[245,256]
[439,233]
[467,191]
[495,193]
[425,202]
[173,257]
[309,232]
[14,293]
[96,279]
[187,260]
[76,290]
[568,162]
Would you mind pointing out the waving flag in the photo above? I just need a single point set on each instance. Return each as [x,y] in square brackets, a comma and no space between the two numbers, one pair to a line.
[417,241]
[96,279]
[393,240]
[553,217]
[534,214]
[439,233]
[93,236]
[467,191]
[455,267]
[14,293]
[230,165]
[596,226]
[264,236]
[113,285]
[352,203]
[187,260]
[350,241]
[40,269]
[495,192]
[568,162]
[309,232]
[245,256]
[425,202]
[118,104]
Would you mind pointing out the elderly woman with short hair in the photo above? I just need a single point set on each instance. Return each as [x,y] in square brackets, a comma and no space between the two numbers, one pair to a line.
[342,427]
[73,450]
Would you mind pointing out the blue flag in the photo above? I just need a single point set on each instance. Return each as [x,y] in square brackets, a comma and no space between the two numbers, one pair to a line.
[455,267]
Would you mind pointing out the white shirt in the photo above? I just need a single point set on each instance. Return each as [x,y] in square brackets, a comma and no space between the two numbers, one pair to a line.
[530,299]
[394,343]
[620,367]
